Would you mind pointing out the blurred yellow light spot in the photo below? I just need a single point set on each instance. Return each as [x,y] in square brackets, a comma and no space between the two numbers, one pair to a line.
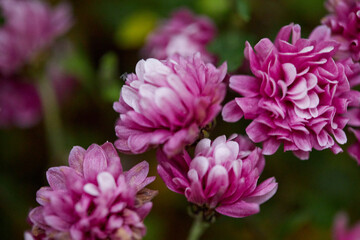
[213,8]
[132,32]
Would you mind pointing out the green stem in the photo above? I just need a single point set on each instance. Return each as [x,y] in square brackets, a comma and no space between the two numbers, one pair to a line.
[53,126]
[198,227]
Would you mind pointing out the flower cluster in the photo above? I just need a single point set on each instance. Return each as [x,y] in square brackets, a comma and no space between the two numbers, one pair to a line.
[297,95]
[183,34]
[29,28]
[340,231]
[344,22]
[93,198]
[222,176]
[168,102]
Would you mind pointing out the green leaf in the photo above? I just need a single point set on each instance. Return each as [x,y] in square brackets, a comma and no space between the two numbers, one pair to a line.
[229,46]
[77,63]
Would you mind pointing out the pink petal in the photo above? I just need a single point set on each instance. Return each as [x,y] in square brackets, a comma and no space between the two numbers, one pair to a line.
[264,191]
[217,181]
[94,162]
[232,112]
[201,165]
[137,174]
[289,72]
[203,147]
[247,86]
[76,158]
[239,209]
[56,178]
[113,159]
[257,132]
[106,181]
[249,106]
[270,146]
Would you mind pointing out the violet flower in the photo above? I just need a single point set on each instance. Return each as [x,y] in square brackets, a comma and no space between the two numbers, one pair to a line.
[20,104]
[344,22]
[222,176]
[168,103]
[93,198]
[30,26]
[340,231]
[183,34]
[297,95]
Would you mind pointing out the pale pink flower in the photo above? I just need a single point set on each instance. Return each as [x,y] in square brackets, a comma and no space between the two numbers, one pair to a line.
[20,104]
[222,176]
[93,198]
[297,95]
[344,22]
[30,26]
[183,34]
[341,231]
[168,103]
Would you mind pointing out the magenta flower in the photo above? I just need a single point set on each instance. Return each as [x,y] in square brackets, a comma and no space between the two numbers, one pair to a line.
[297,95]
[20,104]
[222,176]
[183,34]
[93,198]
[344,21]
[168,102]
[30,26]
[353,113]
[354,149]
[340,231]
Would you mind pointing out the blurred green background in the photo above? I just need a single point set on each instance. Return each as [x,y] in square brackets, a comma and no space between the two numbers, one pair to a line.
[106,39]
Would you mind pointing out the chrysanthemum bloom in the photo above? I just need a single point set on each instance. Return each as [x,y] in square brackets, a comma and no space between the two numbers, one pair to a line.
[184,34]
[354,149]
[353,113]
[297,95]
[20,104]
[344,21]
[29,27]
[222,176]
[93,198]
[340,231]
[168,102]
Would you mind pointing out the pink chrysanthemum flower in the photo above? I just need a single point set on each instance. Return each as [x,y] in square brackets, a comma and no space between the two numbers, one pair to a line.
[297,96]
[354,149]
[222,176]
[183,34]
[29,27]
[168,102]
[20,104]
[344,21]
[340,231]
[93,198]
[353,113]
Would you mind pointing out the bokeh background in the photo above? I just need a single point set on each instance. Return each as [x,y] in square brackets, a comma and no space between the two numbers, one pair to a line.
[104,43]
